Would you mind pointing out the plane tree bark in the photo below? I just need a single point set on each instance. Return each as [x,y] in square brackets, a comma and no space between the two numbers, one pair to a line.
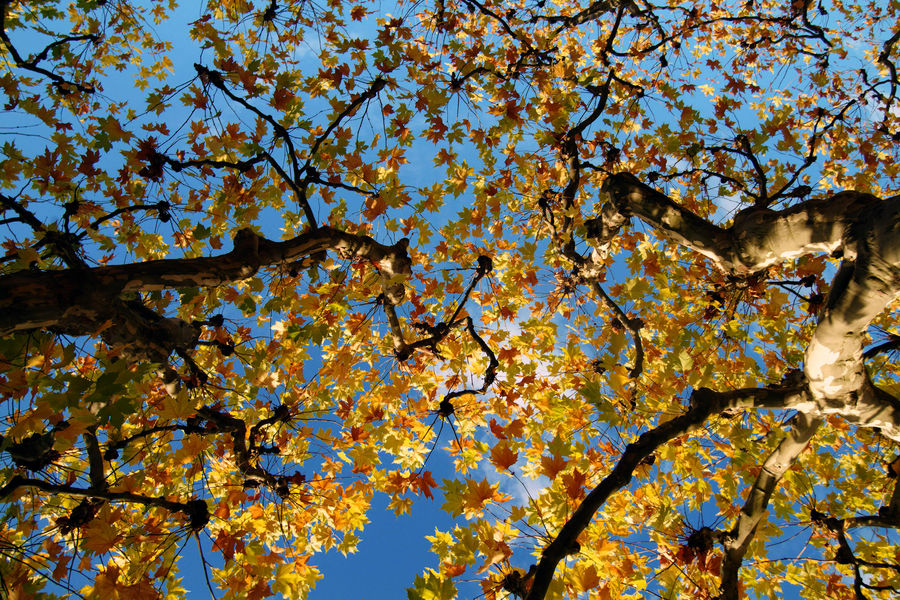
[858,227]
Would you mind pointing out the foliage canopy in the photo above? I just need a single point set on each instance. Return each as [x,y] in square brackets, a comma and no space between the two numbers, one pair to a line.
[631,264]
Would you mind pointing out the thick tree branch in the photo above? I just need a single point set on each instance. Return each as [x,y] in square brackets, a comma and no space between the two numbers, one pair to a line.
[864,229]
[773,469]
[196,510]
[703,403]
[78,301]
[863,287]
[757,239]
[95,459]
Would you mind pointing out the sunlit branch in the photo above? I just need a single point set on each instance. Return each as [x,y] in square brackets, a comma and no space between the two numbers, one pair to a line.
[737,541]
[40,299]
[757,240]
[395,327]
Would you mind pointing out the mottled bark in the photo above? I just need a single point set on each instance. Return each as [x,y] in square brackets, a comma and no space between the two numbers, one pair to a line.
[757,239]
[737,541]
[862,228]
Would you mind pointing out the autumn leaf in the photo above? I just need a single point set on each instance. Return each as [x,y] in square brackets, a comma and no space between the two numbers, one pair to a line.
[477,494]
[553,464]
[503,457]
[100,536]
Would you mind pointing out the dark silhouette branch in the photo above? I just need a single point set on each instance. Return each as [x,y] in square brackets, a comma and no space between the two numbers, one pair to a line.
[215,79]
[703,403]
[197,514]
[31,64]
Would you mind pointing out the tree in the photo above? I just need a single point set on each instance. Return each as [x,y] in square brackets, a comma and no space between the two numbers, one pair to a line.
[633,265]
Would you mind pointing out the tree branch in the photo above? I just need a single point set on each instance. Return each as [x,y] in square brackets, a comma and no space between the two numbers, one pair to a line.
[31,64]
[756,240]
[703,403]
[860,226]
[77,301]
[773,469]
[198,515]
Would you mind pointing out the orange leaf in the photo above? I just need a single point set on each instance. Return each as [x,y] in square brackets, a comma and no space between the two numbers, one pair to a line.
[503,457]
[479,493]
[551,465]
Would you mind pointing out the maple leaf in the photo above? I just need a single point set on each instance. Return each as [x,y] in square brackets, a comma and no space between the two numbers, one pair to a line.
[553,464]
[426,482]
[99,536]
[574,484]
[587,578]
[476,494]
[503,457]
[663,226]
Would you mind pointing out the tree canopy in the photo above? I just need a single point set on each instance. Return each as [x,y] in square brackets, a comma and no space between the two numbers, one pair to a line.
[631,264]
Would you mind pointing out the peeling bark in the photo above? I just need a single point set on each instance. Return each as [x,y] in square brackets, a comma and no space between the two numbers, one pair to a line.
[866,231]
[862,289]
[757,239]
[863,228]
